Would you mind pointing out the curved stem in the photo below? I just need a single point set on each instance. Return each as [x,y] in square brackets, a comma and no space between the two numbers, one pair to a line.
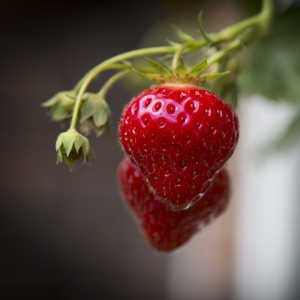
[105,66]
[111,81]
[220,55]
[112,67]
[201,29]
[262,21]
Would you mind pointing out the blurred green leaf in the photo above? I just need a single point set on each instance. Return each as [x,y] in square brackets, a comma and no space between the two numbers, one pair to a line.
[183,36]
[214,76]
[198,68]
[273,67]
[182,67]
[159,67]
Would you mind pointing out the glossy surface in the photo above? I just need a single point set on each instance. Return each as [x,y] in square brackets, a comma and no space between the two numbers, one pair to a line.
[165,229]
[179,136]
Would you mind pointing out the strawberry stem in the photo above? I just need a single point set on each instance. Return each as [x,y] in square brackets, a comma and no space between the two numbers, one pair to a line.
[235,36]
[261,21]
[111,81]
[106,65]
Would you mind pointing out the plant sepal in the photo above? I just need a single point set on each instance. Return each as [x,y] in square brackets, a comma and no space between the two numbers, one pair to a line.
[95,114]
[72,146]
[61,105]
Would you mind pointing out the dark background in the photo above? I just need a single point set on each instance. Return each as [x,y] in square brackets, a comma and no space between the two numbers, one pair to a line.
[68,235]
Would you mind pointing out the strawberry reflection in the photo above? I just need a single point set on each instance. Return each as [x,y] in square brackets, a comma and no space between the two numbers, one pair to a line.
[165,229]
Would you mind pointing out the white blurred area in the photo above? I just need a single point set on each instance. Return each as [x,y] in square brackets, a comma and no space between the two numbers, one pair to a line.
[266,202]
[250,252]
[203,269]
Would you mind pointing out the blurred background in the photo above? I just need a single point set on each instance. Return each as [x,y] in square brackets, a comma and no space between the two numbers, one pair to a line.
[68,235]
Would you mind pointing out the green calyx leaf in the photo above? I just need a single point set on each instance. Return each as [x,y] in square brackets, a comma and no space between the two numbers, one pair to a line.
[198,68]
[72,146]
[158,67]
[173,44]
[181,68]
[214,76]
[202,30]
[61,105]
[183,36]
[94,114]
[153,71]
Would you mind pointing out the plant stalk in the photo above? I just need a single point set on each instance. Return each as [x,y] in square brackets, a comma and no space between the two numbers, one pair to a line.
[261,21]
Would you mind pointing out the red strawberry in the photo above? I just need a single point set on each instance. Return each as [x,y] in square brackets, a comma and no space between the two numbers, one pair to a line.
[179,136]
[166,229]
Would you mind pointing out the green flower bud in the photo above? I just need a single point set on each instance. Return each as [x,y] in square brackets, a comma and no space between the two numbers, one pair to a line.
[72,146]
[61,105]
[94,114]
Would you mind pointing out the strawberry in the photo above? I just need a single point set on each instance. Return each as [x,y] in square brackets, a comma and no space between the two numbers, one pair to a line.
[179,136]
[166,229]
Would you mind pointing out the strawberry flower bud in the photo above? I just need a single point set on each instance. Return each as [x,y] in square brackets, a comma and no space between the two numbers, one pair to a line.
[94,114]
[72,146]
[61,105]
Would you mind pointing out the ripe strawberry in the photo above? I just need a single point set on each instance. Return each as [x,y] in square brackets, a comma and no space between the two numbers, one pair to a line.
[166,229]
[179,136]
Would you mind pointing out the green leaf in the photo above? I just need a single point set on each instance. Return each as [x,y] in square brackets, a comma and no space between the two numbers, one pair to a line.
[183,36]
[215,76]
[181,67]
[160,68]
[195,70]
[174,44]
[166,56]
[142,70]
[49,103]
[154,76]
[273,67]
[149,73]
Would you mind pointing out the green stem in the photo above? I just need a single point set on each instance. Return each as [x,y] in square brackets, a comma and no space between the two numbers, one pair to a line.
[111,81]
[105,66]
[262,21]
[222,54]
[112,67]
[201,28]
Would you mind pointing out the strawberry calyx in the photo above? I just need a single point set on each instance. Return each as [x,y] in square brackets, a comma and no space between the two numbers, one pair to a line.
[72,146]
